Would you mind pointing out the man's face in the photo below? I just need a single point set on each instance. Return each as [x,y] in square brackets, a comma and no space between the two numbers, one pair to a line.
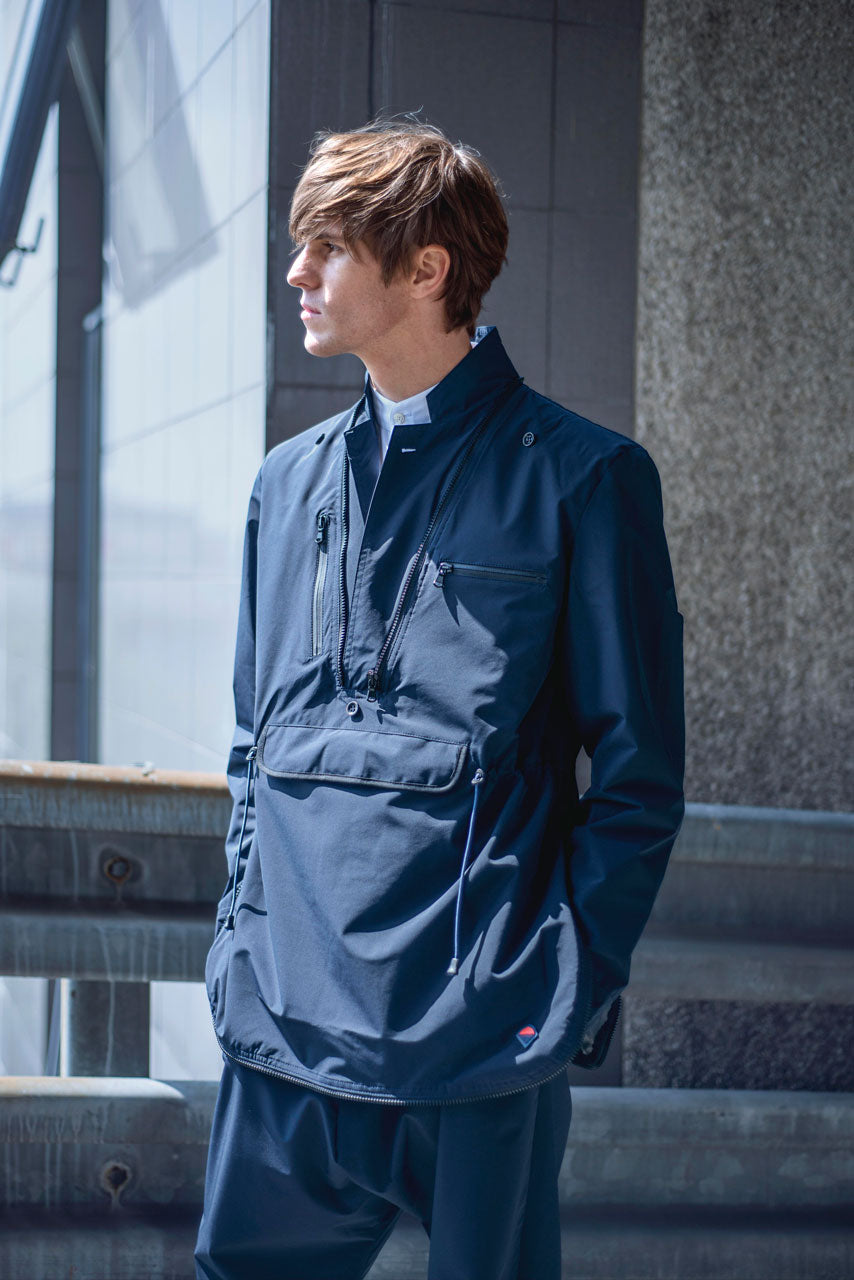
[346,308]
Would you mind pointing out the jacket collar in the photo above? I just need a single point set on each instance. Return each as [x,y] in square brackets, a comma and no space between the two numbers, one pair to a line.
[469,386]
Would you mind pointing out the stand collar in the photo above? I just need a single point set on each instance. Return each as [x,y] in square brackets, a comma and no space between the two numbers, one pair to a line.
[473,382]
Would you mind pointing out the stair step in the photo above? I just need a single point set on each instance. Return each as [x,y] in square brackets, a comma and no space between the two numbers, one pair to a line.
[737,1015]
[725,969]
[775,873]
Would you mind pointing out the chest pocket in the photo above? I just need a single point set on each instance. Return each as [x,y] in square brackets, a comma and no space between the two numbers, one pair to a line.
[491,628]
[496,572]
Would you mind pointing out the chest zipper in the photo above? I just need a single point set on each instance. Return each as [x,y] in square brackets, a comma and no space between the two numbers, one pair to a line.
[376,672]
[321,538]
[486,571]
[342,570]
[235,889]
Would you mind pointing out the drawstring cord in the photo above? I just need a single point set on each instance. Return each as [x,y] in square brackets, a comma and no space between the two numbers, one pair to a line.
[250,756]
[454,966]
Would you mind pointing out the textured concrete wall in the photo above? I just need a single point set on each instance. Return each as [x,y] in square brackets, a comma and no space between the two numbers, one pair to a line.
[743,382]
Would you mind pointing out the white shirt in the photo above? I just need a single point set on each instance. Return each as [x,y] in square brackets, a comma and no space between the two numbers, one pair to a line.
[394,413]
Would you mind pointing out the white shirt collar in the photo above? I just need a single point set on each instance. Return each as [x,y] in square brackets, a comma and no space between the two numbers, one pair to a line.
[394,413]
[412,411]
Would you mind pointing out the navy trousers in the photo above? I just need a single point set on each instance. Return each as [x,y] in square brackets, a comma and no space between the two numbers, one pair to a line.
[304,1186]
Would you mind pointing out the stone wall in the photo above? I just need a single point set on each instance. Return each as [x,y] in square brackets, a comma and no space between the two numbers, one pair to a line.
[743,382]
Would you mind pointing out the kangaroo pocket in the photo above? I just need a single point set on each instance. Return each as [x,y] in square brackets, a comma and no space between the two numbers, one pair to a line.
[361,757]
[358,848]
[339,961]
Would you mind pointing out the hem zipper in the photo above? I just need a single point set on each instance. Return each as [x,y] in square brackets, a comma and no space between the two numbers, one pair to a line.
[352,1094]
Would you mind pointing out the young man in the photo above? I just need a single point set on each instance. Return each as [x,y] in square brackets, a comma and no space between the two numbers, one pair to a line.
[448,590]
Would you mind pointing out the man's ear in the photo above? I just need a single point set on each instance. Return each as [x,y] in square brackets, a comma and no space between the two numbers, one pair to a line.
[429,272]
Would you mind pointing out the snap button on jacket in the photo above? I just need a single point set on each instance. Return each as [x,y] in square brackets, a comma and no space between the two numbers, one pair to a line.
[413,880]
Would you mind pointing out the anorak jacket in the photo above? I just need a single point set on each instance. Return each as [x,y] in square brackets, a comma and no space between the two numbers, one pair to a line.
[420,908]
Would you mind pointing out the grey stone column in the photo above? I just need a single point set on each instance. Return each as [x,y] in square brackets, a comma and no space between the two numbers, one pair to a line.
[743,385]
[105,1028]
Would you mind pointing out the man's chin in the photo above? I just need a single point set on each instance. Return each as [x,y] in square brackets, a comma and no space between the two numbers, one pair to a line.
[316,346]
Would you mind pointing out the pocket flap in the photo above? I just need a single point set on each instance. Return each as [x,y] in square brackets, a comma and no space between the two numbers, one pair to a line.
[366,757]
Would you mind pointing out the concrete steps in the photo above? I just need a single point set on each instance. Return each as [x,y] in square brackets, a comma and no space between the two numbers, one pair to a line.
[730,1014]
[744,976]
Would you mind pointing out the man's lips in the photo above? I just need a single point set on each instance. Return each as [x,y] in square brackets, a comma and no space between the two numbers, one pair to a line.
[309,310]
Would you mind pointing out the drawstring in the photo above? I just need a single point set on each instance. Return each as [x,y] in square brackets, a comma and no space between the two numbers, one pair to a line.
[453,967]
[250,756]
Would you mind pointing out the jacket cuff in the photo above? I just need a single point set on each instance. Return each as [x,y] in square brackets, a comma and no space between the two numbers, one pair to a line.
[597,1037]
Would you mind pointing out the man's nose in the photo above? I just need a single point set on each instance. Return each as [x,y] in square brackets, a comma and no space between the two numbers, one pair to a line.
[300,273]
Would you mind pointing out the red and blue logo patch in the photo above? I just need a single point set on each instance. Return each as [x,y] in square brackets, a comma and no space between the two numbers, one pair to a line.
[526,1036]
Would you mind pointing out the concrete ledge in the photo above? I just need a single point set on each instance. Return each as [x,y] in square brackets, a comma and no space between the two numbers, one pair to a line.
[118,943]
[103,1143]
[125,1246]
[112,1144]
[94,797]
[782,874]
[649,1245]
[734,1015]
[595,1246]
[741,835]
[697,969]
[709,1147]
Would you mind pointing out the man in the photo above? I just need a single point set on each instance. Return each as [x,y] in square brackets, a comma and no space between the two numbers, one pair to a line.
[448,590]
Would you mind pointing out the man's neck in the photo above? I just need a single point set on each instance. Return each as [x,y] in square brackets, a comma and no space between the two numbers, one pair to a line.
[415,365]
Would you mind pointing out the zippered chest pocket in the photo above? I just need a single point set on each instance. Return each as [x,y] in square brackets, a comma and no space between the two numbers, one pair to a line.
[501,573]
[489,627]
[321,535]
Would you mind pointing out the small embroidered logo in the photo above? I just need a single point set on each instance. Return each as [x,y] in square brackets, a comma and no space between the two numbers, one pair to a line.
[526,1036]
[412,450]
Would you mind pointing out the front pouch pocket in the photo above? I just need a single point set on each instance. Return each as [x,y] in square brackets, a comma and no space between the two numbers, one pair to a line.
[364,757]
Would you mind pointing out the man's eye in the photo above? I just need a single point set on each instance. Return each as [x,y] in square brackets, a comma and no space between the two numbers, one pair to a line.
[330,244]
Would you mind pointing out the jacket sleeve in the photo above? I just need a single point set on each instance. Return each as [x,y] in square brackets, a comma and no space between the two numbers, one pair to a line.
[244,698]
[622,666]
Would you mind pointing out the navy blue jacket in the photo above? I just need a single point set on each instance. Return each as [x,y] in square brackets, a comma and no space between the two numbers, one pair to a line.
[419,906]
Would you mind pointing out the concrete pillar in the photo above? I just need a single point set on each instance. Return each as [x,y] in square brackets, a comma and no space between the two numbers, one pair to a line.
[105,1028]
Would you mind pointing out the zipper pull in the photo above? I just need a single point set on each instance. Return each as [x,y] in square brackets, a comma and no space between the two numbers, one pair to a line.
[320,533]
[373,683]
[444,567]
[478,778]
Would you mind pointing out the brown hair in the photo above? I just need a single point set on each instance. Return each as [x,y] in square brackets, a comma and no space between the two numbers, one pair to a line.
[400,185]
